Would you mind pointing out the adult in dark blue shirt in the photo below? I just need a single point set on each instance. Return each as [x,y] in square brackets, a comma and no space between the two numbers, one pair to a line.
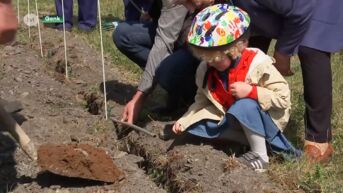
[311,28]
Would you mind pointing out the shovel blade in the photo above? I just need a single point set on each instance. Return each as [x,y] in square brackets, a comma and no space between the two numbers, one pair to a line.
[80,161]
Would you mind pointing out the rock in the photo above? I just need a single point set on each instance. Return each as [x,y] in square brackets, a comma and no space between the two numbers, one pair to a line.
[74,138]
[18,79]
[24,94]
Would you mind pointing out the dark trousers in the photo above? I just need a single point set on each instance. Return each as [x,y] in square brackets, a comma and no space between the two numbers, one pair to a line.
[317,80]
[135,40]
[175,74]
[87,12]
[131,11]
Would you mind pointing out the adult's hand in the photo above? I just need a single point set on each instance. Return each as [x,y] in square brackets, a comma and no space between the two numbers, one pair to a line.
[192,5]
[145,17]
[283,63]
[133,108]
[8,22]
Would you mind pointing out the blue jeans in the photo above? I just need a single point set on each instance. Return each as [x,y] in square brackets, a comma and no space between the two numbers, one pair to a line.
[175,74]
[135,40]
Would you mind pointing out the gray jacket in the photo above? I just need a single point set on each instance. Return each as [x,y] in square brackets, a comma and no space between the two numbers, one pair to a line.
[168,30]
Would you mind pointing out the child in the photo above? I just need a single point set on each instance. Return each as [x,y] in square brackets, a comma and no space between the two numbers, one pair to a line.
[87,14]
[241,96]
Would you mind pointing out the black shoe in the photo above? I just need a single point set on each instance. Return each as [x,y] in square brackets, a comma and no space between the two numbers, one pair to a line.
[85,28]
[68,27]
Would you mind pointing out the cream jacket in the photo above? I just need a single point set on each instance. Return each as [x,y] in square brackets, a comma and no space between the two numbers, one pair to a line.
[272,90]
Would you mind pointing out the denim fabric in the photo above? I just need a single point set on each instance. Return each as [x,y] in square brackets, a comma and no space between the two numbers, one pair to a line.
[87,11]
[176,74]
[135,40]
[248,113]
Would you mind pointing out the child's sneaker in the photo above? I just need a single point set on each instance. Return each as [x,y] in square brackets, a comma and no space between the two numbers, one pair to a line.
[253,161]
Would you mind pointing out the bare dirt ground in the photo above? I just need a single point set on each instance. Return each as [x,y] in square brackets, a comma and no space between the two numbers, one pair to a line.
[60,111]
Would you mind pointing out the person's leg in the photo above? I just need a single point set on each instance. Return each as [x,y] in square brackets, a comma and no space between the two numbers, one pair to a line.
[317,78]
[87,14]
[68,11]
[131,12]
[135,40]
[248,121]
[211,130]
[176,74]
[257,143]
[249,114]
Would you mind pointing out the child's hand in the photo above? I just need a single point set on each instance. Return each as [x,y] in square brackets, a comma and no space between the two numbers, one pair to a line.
[177,128]
[240,89]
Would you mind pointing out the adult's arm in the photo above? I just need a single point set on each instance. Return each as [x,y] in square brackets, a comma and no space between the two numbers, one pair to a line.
[8,22]
[297,16]
[169,26]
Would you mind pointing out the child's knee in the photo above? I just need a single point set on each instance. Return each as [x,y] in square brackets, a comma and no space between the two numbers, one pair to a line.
[245,105]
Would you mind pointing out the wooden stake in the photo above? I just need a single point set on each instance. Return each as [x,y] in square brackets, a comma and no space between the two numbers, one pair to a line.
[28,12]
[39,33]
[65,42]
[102,60]
[18,11]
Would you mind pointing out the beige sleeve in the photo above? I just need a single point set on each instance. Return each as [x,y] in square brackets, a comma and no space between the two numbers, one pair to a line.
[200,102]
[272,89]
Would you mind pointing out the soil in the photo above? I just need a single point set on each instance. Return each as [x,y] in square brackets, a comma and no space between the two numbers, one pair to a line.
[78,160]
[60,111]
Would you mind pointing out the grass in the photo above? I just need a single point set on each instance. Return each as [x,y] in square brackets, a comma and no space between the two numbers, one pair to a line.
[294,175]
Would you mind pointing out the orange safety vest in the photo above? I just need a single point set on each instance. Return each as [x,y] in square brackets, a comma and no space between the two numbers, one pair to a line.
[236,74]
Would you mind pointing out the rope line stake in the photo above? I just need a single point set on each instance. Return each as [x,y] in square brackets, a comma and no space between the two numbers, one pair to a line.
[65,42]
[39,33]
[102,60]
[28,13]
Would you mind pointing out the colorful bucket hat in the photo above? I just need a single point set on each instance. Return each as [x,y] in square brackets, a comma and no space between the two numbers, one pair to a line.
[218,25]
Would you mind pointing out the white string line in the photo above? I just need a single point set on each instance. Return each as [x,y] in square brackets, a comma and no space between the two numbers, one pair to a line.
[28,12]
[18,14]
[65,41]
[39,34]
[102,60]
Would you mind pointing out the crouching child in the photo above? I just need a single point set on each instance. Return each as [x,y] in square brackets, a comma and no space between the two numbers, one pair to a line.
[241,96]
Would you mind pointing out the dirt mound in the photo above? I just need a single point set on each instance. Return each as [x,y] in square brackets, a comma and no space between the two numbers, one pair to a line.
[78,160]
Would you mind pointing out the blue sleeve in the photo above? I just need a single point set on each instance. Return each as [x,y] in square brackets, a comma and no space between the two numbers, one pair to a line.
[296,16]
